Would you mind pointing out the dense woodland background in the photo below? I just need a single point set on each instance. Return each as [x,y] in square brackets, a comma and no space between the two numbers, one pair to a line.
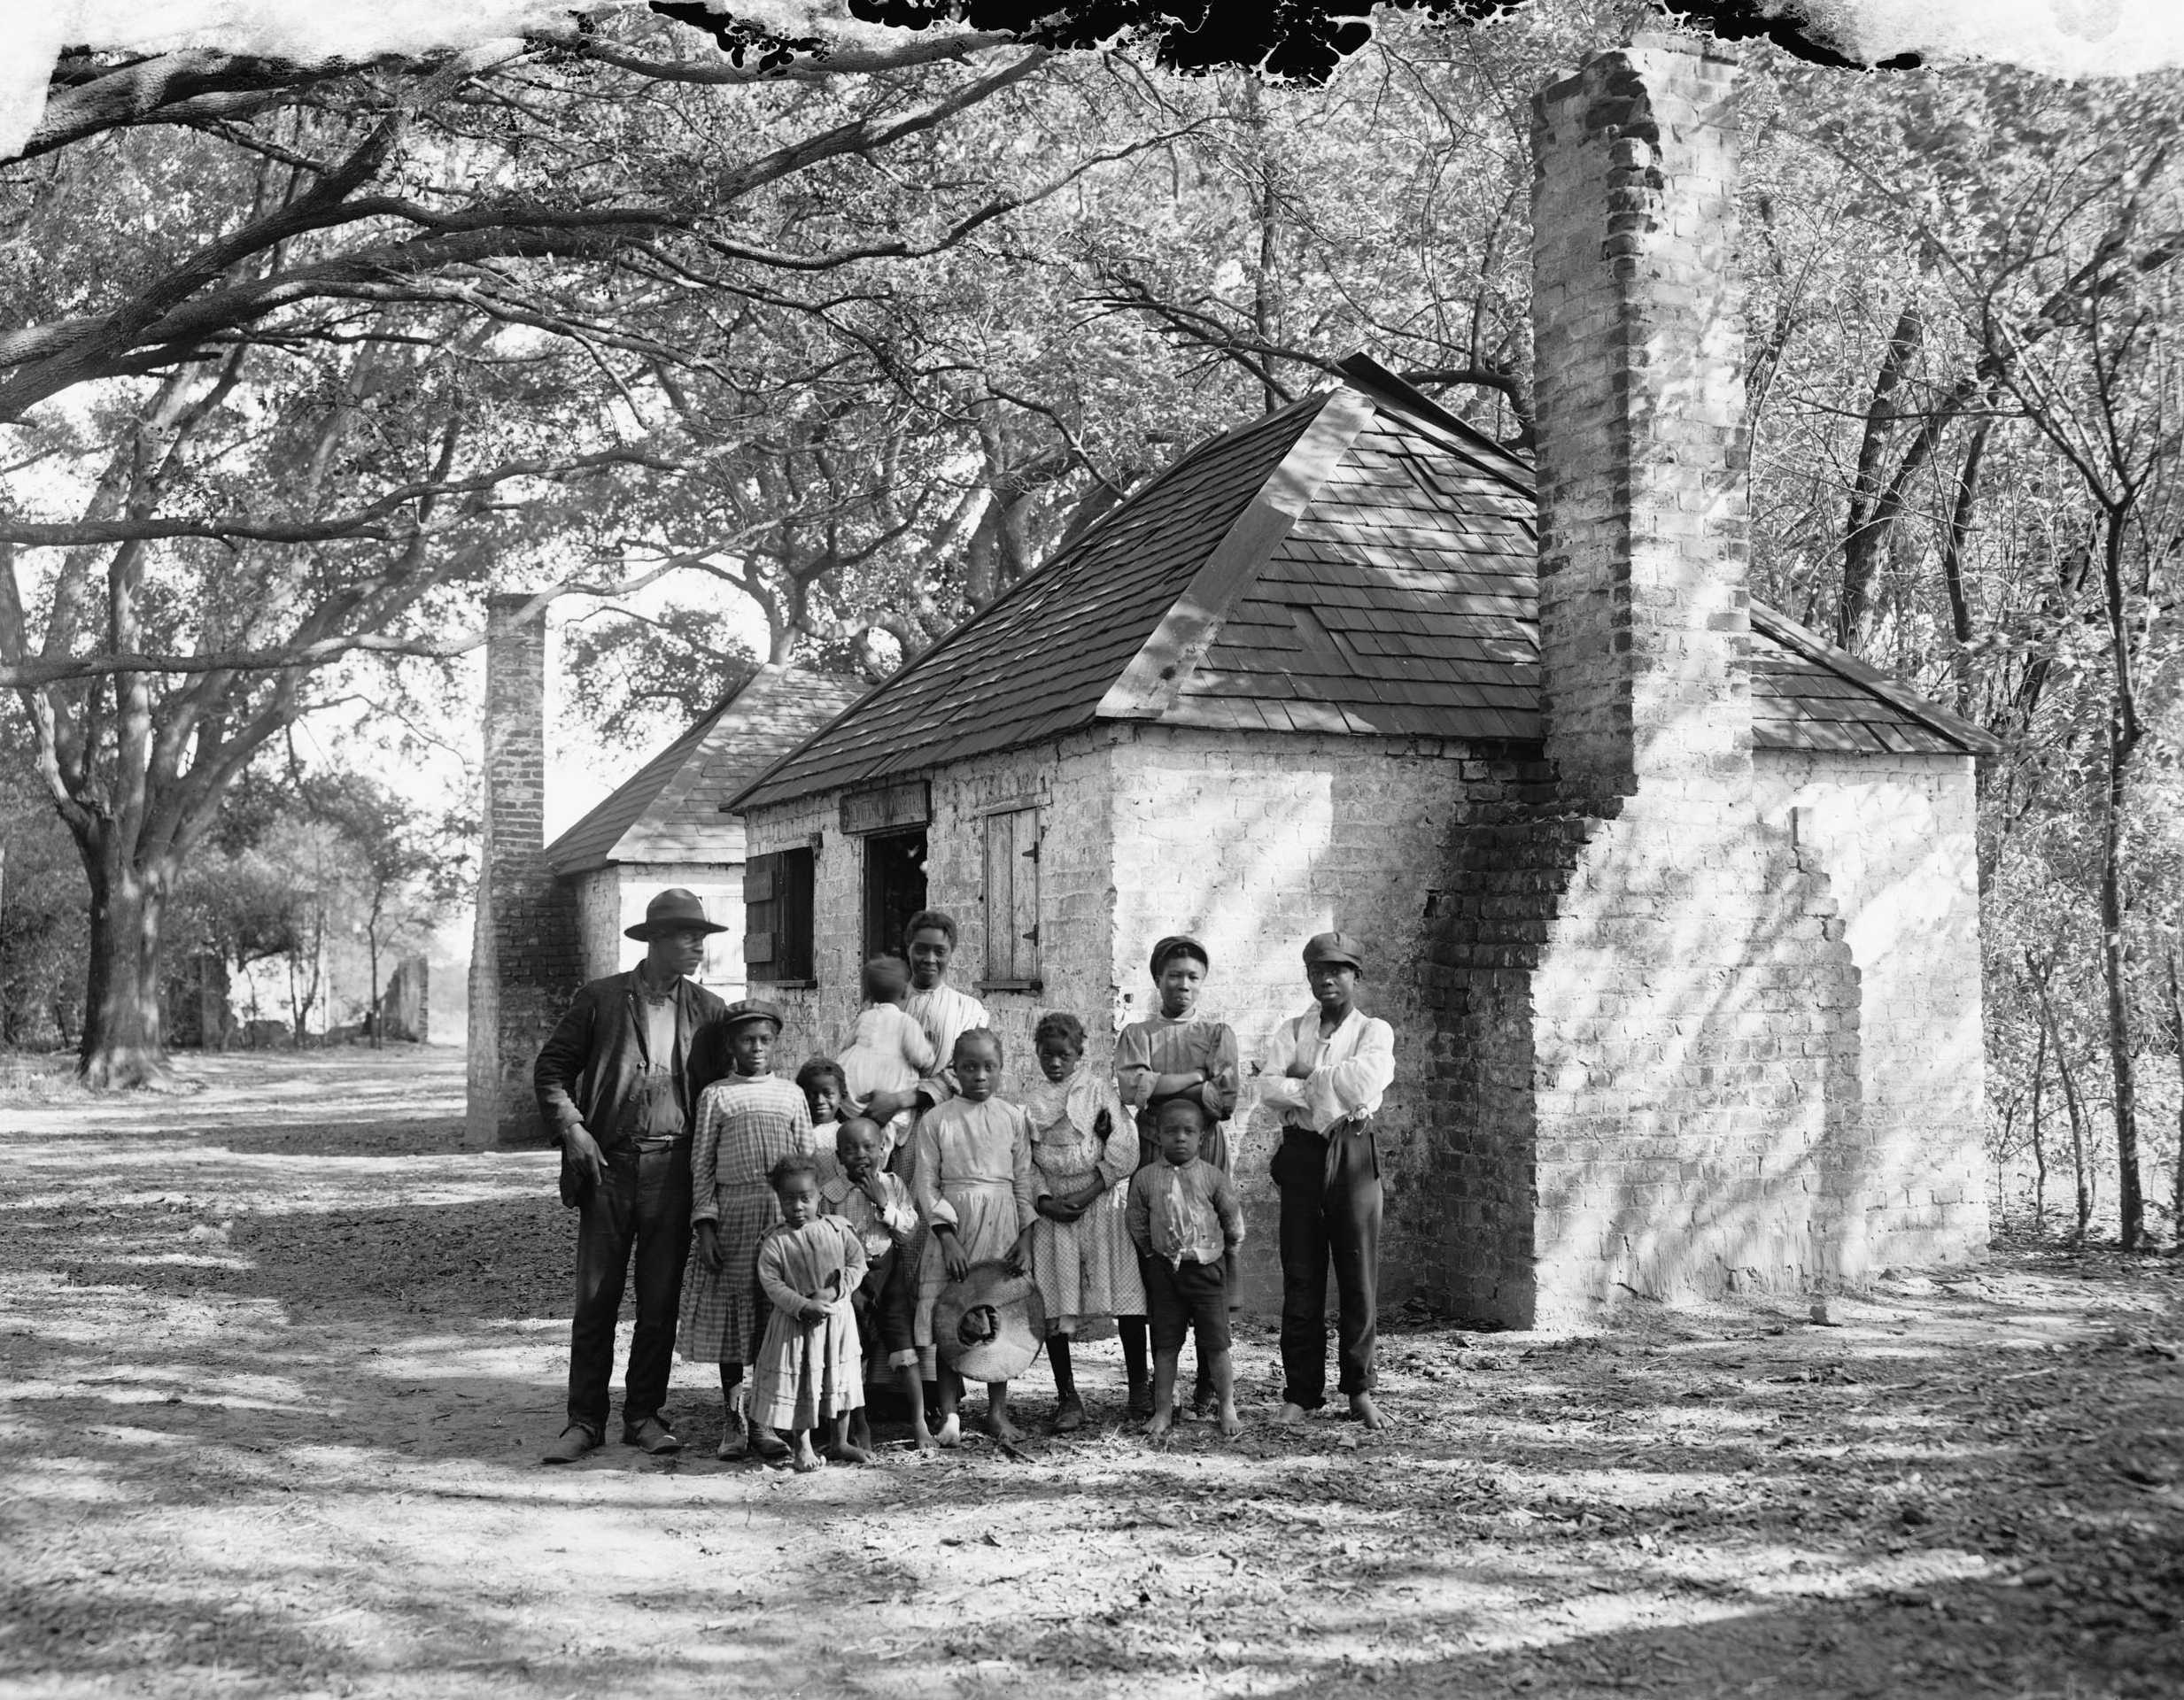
[295,367]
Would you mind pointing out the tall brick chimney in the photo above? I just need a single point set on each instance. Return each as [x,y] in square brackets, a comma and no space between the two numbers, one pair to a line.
[524,960]
[1644,452]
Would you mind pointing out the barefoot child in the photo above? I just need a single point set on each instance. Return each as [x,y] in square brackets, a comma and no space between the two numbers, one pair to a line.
[746,1124]
[976,1190]
[890,1053]
[877,1207]
[808,1370]
[1184,1216]
[1175,1052]
[1084,1147]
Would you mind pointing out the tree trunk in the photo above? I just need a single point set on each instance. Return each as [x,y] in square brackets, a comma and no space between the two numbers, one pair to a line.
[2070,1094]
[123,1045]
[2115,971]
[2176,1018]
[2039,1148]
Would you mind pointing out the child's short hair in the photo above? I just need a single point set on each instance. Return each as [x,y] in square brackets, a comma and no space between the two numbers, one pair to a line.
[885,979]
[931,921]
[849,1125]
[787,1168]
[1059,1023]
[1197,1112]
[819,1069]
[978,1035]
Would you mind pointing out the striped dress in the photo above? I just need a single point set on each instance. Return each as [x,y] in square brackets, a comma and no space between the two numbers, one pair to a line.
[746,1124]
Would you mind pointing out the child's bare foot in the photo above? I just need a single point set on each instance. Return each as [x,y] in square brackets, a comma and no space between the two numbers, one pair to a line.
[806,1460]
[1002,1429]
[923,1436]
[950,1432]
[1365,1410]
[848,1452]
[1231,1424]
[1162,1421]
[860,1432]
[1292,1415]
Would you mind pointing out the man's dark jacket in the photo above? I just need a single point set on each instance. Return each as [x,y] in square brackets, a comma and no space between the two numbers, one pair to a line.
[589,1070]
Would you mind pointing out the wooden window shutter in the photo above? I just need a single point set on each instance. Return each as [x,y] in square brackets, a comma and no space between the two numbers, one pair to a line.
[760,916]
[1024,910]
[1012,897]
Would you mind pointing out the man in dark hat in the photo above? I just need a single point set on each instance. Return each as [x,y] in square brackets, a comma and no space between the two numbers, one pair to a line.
[1334,1063]
[619,1080]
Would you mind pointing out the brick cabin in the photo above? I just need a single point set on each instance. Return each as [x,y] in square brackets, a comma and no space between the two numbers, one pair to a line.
[663,825]
[551,917]
[1670,902]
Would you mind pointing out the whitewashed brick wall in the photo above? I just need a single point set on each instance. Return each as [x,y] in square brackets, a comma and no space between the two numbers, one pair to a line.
[612,898]
[1894,836]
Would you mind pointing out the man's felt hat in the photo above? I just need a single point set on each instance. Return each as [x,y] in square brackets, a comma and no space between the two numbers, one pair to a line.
[989,1325]
[745,1010]
[672,909]
[1333,947]
[1178,944]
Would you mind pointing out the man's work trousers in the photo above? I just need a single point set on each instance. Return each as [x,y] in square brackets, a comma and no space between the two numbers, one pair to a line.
[1330,1212]
[641,1204]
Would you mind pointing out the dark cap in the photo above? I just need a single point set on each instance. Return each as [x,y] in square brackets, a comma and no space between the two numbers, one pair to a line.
[1333,947]
[1178,944]
[743,1011]
[672,909]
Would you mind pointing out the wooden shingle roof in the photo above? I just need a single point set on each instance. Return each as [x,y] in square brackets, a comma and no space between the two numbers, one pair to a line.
[1360,562]
[669,810]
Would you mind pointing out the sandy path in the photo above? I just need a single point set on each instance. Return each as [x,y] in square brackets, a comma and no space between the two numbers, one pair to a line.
[277,1357]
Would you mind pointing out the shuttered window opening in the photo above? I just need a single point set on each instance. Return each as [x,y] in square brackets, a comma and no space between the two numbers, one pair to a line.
[1012,901]
[777,917]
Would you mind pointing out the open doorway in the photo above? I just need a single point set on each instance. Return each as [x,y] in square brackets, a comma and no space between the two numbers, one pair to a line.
[895,887]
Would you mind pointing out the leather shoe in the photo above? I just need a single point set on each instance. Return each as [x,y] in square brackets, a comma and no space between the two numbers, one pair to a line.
[654,1436]
[575,1442]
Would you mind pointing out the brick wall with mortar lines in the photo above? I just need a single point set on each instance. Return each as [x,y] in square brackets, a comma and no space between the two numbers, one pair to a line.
[1637,312]
[1253,843]
[1068,781]
[611,898]
[526,959]
[1895,837]
[1649,1054]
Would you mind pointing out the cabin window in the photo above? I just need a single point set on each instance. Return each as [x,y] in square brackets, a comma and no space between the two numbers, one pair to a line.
[777,915]
[895,888]
[1012,901]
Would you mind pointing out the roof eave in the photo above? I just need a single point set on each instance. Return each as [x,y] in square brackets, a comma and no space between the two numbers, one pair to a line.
[1973,740]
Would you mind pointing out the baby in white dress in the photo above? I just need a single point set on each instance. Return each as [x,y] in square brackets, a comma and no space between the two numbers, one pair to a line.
[890,1052]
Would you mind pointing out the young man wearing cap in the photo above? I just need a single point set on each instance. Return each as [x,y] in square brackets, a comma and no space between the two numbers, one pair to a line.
[1335,1061]
[619,1080]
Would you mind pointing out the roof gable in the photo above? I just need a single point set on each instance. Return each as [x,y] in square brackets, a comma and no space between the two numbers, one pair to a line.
[669,810]
[1360,562]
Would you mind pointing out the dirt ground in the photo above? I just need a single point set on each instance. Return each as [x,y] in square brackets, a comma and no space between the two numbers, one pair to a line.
[276,1357]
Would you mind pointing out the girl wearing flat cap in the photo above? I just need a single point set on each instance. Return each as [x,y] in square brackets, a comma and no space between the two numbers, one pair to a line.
[746,1123]
[1324,1077]
[1175,1054]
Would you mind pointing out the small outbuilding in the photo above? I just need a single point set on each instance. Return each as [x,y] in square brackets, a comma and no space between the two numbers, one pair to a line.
[663,825]
[1670,902]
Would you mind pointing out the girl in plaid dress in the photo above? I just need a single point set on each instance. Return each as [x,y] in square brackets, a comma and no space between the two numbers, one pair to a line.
[746,1124]
[1084,1147]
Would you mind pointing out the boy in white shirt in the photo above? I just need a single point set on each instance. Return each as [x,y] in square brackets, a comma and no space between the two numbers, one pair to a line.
[1324,1077]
